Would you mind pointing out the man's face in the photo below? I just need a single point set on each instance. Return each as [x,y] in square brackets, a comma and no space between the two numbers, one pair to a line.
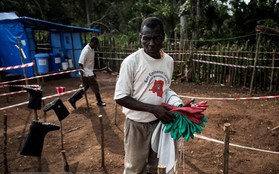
[94,45]
[152,41]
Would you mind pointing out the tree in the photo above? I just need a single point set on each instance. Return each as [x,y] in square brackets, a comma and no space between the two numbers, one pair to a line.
[194,19]
[183,23]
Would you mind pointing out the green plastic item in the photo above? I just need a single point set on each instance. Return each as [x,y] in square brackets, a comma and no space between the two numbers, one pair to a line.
[182,127]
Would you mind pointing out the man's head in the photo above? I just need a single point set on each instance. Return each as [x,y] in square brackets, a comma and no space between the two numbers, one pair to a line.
[152,36]
[94,42]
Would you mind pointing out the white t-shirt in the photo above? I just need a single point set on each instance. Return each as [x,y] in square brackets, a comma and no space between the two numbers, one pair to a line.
[145,79]
[86,58]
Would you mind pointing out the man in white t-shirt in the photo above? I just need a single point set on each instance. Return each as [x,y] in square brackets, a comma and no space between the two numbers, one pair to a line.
[144,78]
[86,64]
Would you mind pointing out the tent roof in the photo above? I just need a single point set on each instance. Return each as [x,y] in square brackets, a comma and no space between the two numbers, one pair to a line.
[39,24]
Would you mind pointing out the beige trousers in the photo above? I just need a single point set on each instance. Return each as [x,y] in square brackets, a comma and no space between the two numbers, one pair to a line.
[139,157]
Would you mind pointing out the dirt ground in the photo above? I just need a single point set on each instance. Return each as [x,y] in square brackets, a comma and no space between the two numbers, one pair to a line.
[253,125]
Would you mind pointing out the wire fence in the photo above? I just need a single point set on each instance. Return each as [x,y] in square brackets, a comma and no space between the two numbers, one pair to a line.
[250,61]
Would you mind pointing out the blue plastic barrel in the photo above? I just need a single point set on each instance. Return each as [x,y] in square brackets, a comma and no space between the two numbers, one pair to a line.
[42,62]
[55,61]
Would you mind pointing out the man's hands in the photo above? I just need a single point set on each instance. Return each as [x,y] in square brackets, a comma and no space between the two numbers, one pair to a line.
[189,119]
[192,110]
[163,114]
[159,111]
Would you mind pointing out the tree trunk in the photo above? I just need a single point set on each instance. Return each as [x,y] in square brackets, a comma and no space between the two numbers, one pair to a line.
[195,14]
[183,29]
[40,9]
[87,12]
[197,20]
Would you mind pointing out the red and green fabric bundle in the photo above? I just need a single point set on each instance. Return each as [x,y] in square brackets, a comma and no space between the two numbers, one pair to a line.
[189,120]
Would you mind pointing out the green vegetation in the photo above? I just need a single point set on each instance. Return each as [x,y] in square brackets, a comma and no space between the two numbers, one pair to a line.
[190,19]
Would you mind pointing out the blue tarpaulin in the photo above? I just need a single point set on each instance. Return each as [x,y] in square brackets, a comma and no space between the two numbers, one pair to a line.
[14,29]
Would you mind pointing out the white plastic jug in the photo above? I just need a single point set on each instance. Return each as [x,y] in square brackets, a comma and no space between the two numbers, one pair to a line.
[70,63]
[65,65]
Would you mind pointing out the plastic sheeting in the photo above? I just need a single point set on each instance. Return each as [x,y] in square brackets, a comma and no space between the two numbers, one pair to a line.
[66,40]
[10,31]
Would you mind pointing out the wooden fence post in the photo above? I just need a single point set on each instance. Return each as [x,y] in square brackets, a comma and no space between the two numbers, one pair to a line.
[63,152]
[161,169]
[6,171]
[272,71]
[115,107]
[226,147]
[255,64]
[246,63]
[21,58]
[102,141]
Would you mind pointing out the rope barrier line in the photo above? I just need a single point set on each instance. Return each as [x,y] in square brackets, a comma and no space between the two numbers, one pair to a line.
[221,56]
[15,105]
[17,66]
[44,98]
[232,57]
[268,67]
[216,40]
[63,93]
[238,98]
[12,93]
[217,63]
[3,86]
[231,65]
[180,53]
[17,92]
[45,75]
[235,145]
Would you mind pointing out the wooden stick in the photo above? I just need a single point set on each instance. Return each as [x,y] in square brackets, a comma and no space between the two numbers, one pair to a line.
[255,64]
[115,106]
[36,73]
[87,103]
[66,165]
[102,141]
[44,114]
[6,171]
[272,71]
[226,147]
[115,112]
[277,127]
[63,152]
[36,115]
[246,63]
[22,59]
[161,169]
[264,29]
[7,97]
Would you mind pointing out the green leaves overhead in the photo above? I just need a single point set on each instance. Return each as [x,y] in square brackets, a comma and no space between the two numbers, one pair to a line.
[203,19]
